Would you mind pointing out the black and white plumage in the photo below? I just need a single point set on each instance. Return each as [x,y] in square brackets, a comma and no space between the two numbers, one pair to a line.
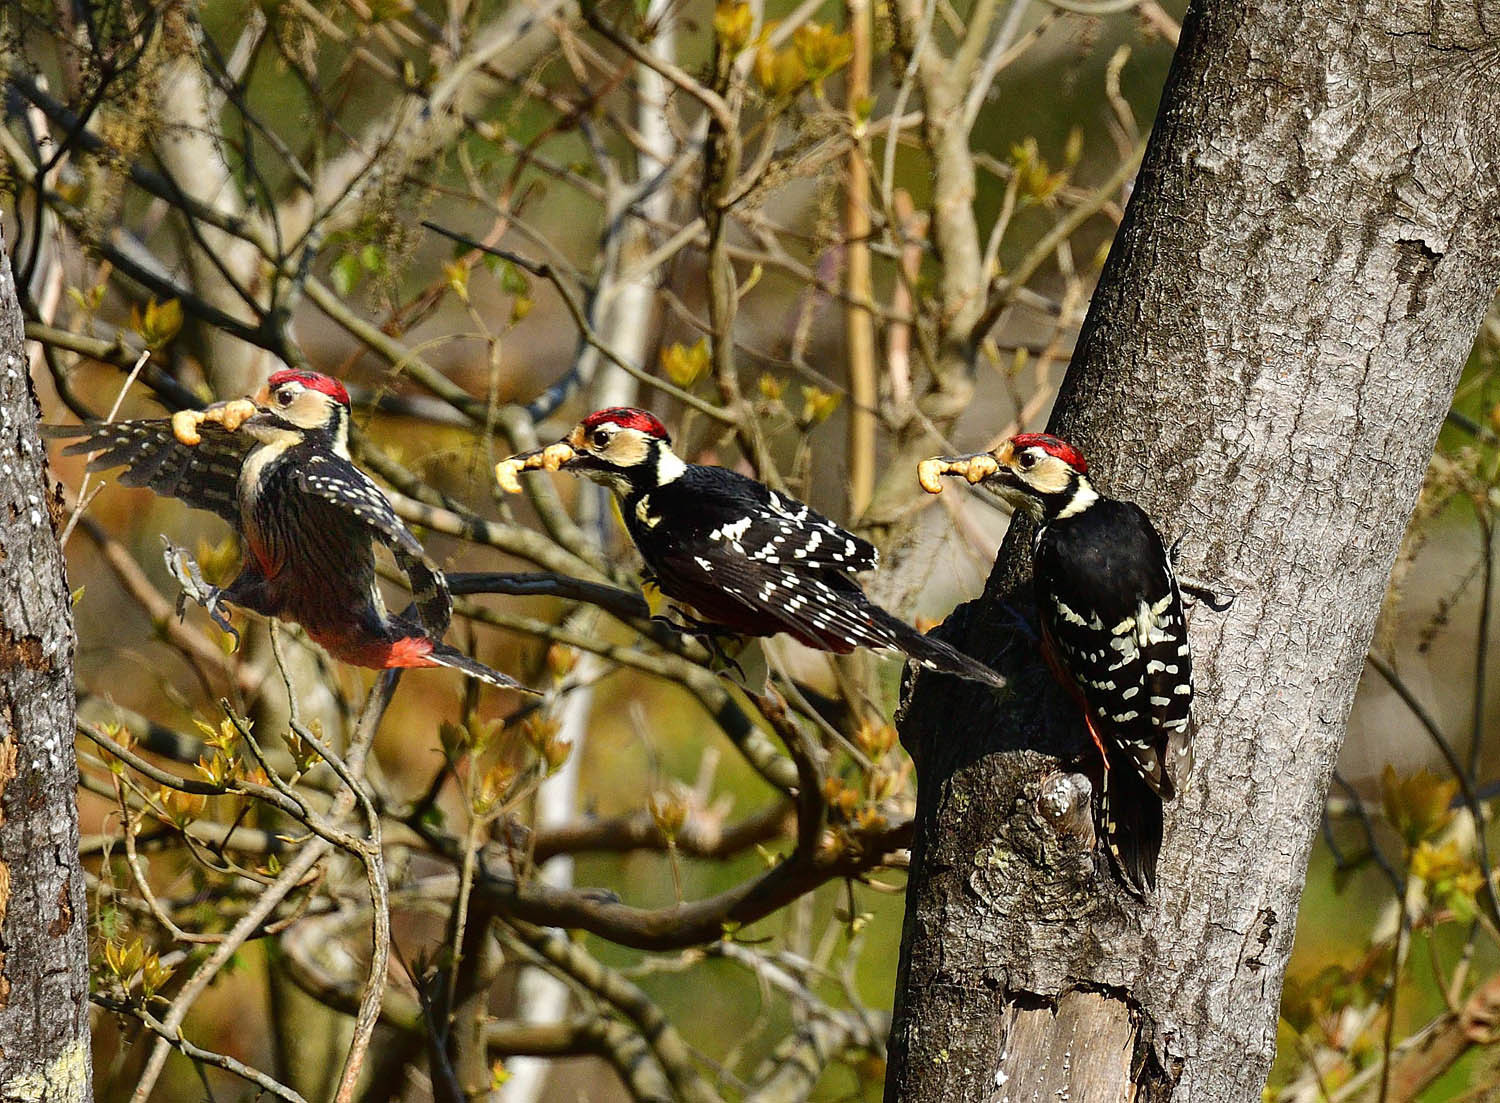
[1113,628]
[744,557]
[279,472]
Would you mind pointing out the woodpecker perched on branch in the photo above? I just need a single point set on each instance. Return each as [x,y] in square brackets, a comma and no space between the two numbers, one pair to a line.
[279,471]
[745,558]
[1113,630]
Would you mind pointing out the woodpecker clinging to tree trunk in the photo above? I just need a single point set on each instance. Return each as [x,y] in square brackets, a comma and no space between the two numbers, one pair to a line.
[1113,630]
[279,471]
[744,557]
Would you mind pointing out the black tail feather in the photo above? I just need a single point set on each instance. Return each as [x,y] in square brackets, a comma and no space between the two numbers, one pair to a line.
[431,600]
[935,654]
[447,656]
[1130,823]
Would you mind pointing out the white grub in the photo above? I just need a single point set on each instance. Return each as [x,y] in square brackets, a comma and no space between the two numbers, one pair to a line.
[550,458]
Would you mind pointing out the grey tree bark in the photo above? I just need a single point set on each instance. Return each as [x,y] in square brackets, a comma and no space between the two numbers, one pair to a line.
[1311,247]
[44,968]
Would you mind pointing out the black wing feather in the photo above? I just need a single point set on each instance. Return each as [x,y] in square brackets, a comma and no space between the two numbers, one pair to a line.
[205,476]
[338,481]
[1091,591]
[759,562]
[799,536]
[749,519]
[755,559]
[829,613]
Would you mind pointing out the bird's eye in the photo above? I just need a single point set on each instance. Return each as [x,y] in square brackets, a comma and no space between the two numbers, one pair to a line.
[601,438]
[1028,459]
[284,398]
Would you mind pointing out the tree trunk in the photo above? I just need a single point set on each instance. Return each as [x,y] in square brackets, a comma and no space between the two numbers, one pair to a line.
[44,967]
[1311,247]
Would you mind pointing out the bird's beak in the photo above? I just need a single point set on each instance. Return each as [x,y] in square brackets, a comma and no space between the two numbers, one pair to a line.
[263,413]
[554,457]
[976,467]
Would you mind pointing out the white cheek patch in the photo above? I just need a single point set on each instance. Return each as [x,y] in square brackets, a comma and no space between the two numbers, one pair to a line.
[308,410]
[1050,475]
[627,449]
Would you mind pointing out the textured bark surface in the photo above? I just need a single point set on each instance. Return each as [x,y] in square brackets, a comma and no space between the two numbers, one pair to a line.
[44,974]
[1310,250]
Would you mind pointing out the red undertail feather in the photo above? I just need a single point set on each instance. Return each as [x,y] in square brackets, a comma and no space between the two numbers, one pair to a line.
[411,651]
[408,652]
[403,653]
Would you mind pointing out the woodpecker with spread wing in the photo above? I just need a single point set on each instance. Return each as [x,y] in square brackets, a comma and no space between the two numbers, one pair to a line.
[1113,630]
[278,470]
[745,558]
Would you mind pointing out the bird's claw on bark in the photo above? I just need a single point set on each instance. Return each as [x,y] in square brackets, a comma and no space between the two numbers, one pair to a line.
[1217,600]
[1196,589]
[185,570]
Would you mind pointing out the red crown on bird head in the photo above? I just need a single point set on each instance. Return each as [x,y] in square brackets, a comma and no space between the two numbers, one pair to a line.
[627,417]
[313,381]
[1053,446]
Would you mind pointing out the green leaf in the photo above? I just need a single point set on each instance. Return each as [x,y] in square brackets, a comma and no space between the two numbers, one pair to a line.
[512,280]
[346,273]
[158,324]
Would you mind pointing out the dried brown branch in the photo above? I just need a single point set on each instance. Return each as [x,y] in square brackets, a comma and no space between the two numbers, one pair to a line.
[696,922]
[666,1044]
